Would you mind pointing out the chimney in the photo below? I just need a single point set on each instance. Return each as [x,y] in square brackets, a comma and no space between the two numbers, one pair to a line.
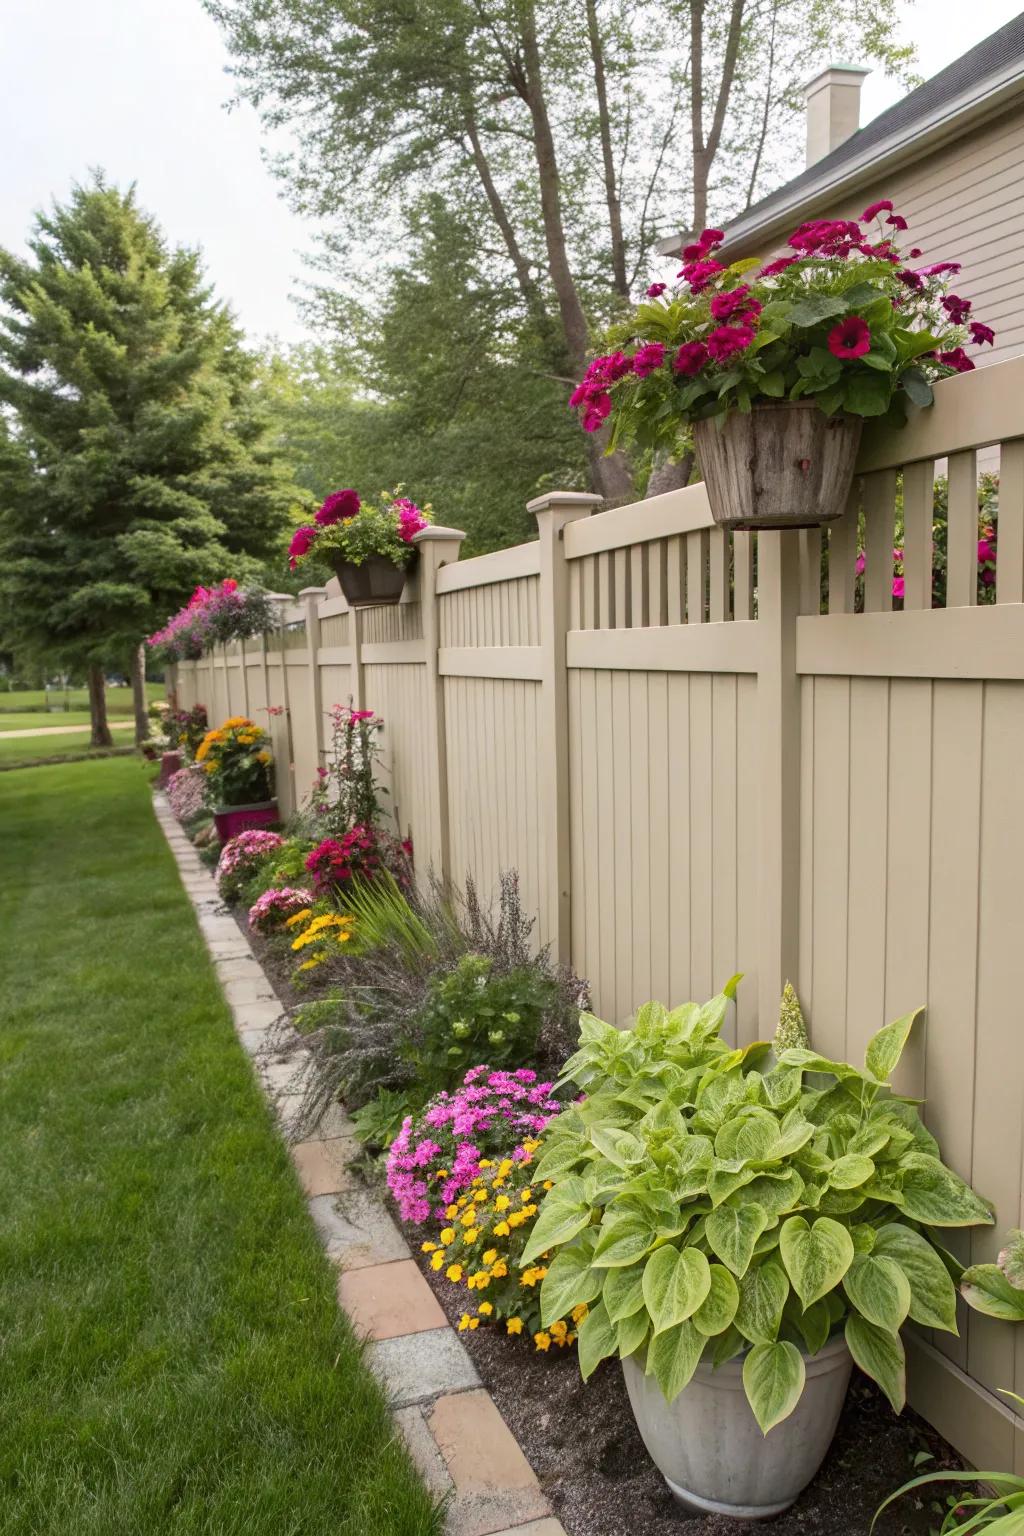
[833,108]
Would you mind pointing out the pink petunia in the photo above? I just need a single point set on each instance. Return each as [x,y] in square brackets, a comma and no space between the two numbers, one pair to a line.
[898,586]
[850,338]
[302,542]
[980,334]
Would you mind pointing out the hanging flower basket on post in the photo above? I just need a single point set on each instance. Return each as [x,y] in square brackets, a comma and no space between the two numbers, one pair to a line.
[770,369]
[368,548]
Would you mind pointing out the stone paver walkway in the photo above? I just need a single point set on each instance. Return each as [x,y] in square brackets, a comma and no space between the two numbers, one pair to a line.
[64,730]
[456,1436]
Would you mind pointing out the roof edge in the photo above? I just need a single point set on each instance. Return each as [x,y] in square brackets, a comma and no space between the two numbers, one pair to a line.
[983,101]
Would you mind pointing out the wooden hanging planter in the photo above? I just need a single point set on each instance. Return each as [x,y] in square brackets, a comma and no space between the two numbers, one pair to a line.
[782,465]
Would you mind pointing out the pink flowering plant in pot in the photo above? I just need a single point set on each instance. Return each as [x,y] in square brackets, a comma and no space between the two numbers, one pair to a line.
[775,366]
[367,546]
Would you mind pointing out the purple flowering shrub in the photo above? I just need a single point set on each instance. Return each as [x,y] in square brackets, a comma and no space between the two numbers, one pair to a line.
[437,1154]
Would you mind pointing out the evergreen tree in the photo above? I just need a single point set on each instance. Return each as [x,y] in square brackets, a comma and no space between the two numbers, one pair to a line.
[137,462]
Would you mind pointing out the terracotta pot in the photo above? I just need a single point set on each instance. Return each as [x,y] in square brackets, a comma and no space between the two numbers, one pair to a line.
[232,819]
[784,465]
[376,582]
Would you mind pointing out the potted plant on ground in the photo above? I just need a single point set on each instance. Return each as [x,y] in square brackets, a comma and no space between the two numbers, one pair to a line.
[237,763]
[738,1235]
[369,548]
[774,367]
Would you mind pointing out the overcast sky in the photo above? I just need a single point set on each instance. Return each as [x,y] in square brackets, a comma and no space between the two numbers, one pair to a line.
[138,87]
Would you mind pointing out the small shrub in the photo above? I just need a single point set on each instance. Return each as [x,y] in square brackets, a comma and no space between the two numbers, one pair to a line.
[437,1153]
[270,911]
[475,1011]
[185,793]
[241,857]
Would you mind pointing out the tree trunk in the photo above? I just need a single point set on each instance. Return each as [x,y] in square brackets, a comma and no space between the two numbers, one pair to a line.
[618,243]
[101,736]
[669,476]
[139,692]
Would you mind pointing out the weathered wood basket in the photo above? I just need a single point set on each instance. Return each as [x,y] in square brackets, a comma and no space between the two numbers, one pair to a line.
[784,465]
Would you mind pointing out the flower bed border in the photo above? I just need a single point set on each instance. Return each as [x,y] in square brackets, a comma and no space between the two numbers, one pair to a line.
[455,1434]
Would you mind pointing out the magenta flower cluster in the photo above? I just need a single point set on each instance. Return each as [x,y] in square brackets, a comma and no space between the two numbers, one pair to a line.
[185,792]
[437,1154]
[241,855]
[184,636]
[270,910]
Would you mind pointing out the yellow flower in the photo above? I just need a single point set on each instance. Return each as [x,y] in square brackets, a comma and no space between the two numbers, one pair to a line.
[453,1272]
[263,757]
[465,1321]
[502,1203]
[451,1211]
[486,1162]
[447,1235]
[542,1340]
[549,1183]
[489,1256]
[481,1194]
[501,1230]
[533,1274]
[437,1260]
[309,965]
[526,1196]
[428,1247]
[499,1270]
[480,1281]
[505,1167]
[298,917]
[485,1309]
[467,1218]
[558,1330]
[580,1312]
[471,1234]
[514,1325]
[516,1219]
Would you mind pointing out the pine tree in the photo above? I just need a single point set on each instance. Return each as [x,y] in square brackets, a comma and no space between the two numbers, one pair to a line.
[137,463]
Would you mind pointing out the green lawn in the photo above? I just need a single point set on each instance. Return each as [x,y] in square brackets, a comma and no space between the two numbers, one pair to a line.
[26,749]
[171,1355]
[34,701]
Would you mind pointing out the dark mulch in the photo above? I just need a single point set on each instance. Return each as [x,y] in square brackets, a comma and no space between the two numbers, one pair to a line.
[583,1443]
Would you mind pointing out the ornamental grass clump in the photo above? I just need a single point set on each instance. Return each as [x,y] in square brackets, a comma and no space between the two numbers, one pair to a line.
[438,1152]
[241,857]
[708,1203]
[481,1244]
[353,530]
[846,321]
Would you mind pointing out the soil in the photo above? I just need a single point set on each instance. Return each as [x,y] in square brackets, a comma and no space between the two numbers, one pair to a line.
[582,1441]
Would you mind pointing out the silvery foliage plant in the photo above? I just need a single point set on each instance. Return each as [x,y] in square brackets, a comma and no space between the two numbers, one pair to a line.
[710,1202]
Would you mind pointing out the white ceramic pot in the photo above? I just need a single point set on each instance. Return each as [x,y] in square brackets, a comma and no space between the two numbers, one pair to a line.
[709,1448]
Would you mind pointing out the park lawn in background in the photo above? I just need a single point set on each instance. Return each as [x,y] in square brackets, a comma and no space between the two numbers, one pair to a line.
[173,1358]
[34,702]
[26,749]
[41,719]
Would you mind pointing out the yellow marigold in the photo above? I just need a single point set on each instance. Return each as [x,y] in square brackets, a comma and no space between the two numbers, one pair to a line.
[236,720]
[517,1218]
[263,757]
[454,1273]
[480,1281]
[499,1270]
[442,1173]
[471,1234]
[486,1162]
[490,1255]
[505,1167]
[526,1196]
[451,1211]
[310,964]
[298,917]
[502,1229]
[502,1203]
[202,749]
[549,1183]
[428,1248]
[580,1312]
[437,1260]
[558,1330]
[468,1217]
[542,1340]
[514,1325]
[447,1235]
[485,1309]
[481,1194]
[476,1183]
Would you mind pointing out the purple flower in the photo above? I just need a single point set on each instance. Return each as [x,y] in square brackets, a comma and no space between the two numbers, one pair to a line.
[656,290]
[980,334]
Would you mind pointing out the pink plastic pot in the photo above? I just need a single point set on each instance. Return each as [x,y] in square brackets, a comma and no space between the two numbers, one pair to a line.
[232,819]
[170,762]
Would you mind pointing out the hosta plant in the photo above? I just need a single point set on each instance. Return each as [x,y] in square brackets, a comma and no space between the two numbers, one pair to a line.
[709,1202]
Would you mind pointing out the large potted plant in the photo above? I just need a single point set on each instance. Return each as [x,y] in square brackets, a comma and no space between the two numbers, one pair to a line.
[774,367]
[236,761]
[738,1236]
[369,548]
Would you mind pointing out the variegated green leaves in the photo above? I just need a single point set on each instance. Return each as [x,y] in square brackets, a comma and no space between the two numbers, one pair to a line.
[710,1202]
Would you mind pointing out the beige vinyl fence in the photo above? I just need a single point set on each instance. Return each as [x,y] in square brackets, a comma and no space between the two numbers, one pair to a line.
[699,764]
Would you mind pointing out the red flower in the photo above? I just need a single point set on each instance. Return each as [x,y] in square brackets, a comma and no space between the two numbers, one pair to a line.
[690,358]
[649,359]
[727,340]
[956,308]
[884,205]
[897,221]
[725,304]
[302,542]
[982,333]
[339,504]
[911,279]
[656,290]
[779,265]
[850,338]
[957,360]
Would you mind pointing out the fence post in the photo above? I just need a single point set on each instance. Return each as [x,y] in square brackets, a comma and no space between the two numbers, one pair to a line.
[437,547]
[552,512]
[311,598]
[778,710]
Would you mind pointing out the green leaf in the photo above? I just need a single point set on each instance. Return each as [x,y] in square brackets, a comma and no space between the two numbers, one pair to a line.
[816,307]
[673,1356]
[557,1223]
[763,1292]
[886,1047]
[879,1354]
[675,1283]
[623,1292]
[732,1231]
[568,1282]
[621,1148]
[631,1332]
[934,1194]
[623,1240]
[985,1288]
[816,1258]
[773,384]
[773,1379]
[918,390]
[717,1310]
[932,1292]
[814,1325]
[868,394]
[560,1157]
[596,1340]
[849,1171]
[879,1290]
[878,361]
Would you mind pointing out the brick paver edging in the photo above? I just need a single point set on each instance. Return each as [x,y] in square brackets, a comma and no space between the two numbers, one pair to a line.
[457,1438]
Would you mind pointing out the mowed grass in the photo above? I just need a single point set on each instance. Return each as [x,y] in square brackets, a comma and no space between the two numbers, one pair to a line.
[171,1354]
[27,749]
[36,700]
